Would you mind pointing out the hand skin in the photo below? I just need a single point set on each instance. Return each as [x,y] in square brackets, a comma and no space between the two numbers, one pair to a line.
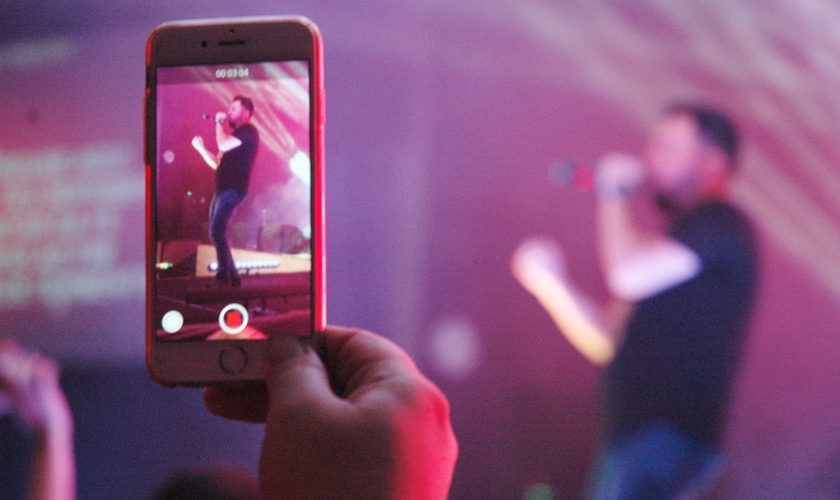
[348,416]
[30,383]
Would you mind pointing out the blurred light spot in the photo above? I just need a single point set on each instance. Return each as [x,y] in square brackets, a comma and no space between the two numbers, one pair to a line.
[540,491]
[38,52]
[168,156]
[301,166]
[454,346]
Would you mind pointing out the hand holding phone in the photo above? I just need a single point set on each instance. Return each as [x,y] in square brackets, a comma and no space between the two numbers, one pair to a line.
[235,252]
[347,415]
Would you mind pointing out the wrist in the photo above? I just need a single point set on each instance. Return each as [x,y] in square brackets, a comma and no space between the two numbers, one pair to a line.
[57,421]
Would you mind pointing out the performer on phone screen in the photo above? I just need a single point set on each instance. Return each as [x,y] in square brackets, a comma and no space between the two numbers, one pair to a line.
[237,140]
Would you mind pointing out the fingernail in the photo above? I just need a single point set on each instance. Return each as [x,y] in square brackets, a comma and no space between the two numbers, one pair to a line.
[283,346]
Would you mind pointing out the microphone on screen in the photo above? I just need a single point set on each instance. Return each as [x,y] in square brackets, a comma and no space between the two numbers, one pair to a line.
[206,116]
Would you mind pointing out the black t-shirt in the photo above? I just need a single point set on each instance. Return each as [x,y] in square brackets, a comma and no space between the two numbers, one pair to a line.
[682,346]
[235,168]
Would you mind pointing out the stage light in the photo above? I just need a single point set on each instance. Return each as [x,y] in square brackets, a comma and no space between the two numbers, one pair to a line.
[247,264]
[455,346]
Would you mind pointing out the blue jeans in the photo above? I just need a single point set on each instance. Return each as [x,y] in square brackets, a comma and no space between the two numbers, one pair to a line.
[657,461]
[222,209]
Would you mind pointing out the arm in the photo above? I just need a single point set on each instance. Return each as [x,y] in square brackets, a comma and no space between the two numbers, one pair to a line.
[638,263]
[54,469]
[30,382]
[198,144]
[347,416]
[225,139]
[536,265]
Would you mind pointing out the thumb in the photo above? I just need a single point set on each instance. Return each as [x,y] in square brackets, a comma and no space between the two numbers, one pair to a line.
[295,375]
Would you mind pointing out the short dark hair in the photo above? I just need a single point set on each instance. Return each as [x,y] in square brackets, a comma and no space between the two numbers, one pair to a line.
[715,127]
[246,103]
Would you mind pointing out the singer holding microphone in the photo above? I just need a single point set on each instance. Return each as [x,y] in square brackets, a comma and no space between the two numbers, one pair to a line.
[679,261]
[237,140]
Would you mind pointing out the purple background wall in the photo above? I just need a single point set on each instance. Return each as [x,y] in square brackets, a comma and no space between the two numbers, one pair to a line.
[443,121]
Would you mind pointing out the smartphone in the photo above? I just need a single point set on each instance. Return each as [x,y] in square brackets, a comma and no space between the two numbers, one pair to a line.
[234,130]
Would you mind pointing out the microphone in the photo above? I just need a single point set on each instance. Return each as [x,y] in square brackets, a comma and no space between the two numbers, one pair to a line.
[577,175]
[206,116]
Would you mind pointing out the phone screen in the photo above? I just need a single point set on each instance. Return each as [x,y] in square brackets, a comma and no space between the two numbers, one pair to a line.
[233,212]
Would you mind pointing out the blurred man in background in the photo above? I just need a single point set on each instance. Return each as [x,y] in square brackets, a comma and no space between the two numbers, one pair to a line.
[679,261]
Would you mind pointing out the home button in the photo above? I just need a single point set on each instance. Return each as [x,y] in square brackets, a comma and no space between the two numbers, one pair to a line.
[233,360]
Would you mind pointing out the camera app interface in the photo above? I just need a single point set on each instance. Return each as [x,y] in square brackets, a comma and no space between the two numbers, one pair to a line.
[233,216]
